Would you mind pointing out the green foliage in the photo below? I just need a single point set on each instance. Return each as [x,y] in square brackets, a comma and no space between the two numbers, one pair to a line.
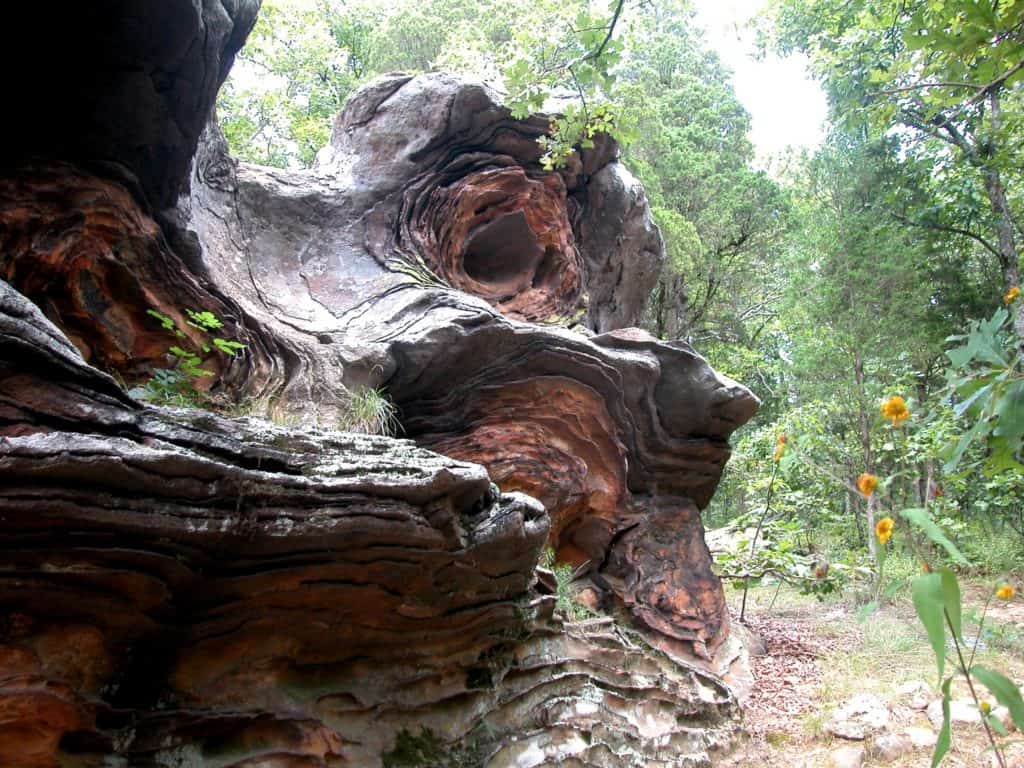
[177,386]
[305,57]
[169,387]
[987,377]
[938,603]
[566,603]
[779,554]
[370,411]
[941,78]
[722,219]
[944,739]
[923,520]
[930,607]
[576,129]
[1005,690]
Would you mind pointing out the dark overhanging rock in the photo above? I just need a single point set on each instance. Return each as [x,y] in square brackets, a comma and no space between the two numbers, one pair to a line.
[120,86]
[360,273]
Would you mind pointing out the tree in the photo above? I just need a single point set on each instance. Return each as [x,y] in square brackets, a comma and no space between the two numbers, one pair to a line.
[305,57]
[943,78]
[721,218]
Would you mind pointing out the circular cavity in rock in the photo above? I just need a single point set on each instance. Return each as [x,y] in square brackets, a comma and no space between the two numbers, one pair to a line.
[499,234]
[503,251]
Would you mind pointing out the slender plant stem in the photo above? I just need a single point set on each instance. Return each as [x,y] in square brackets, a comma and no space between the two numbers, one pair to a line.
[981,626]
[974,694]
[757,532]
[777,590]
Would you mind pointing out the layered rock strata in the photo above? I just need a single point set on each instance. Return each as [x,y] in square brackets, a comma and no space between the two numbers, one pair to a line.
[416,250]
[180,589]
[184,589]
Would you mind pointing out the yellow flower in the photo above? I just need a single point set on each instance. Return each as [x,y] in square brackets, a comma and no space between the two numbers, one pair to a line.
[1011,294]
[867,483]
[780,446]
[895,410]
[883,529]
[985,707]
[1005,592]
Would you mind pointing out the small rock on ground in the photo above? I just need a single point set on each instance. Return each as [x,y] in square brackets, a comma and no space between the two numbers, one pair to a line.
[921,737]
[915,694]
[861,716]
[891,746]
[846,757]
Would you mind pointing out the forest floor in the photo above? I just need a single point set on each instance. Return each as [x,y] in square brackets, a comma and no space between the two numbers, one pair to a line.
[818,656]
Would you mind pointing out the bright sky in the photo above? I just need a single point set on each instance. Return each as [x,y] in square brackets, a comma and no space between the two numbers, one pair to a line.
[786,106]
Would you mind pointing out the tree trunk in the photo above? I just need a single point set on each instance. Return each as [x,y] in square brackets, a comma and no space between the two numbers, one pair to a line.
[864,429]
[1003,214]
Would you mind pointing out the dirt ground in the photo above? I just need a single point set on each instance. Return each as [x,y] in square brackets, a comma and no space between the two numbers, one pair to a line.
[817,656]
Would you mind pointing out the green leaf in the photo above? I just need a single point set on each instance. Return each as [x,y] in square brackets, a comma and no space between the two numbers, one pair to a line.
[228,347]
[945,737]
[951,600]
[867,610]
[1004,689]
[165,321]
[893,588]
[981,393]
[930,606]
[1009,411]
[996,724]
[204,321]
[975,432]
[921,519]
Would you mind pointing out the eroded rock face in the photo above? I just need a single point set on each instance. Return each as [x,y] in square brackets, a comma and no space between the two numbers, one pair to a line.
[505,237]
[181,589]
[190,590]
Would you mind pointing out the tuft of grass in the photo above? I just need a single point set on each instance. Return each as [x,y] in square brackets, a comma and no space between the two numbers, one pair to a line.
[888,651]
[566,603]
[371,412]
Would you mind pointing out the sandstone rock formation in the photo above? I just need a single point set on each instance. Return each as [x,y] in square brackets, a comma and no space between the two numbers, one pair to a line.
[185,589]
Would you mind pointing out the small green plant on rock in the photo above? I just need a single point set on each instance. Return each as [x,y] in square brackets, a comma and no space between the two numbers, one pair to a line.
[370,411]
[567,603]
[176,385]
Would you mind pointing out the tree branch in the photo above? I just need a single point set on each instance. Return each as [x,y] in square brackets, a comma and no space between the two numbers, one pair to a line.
[952,230]
[608,37]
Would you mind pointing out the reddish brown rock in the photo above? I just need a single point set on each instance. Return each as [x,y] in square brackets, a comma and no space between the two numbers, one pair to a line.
[505,237]
[184,589]
[239,593]
[82,250]
[329,274]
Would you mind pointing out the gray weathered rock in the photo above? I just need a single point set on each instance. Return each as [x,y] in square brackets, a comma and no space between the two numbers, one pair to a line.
[859,717]
[846,757]
[915,694]
[180,584]
[890,747]
[353,265]
[921,737]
